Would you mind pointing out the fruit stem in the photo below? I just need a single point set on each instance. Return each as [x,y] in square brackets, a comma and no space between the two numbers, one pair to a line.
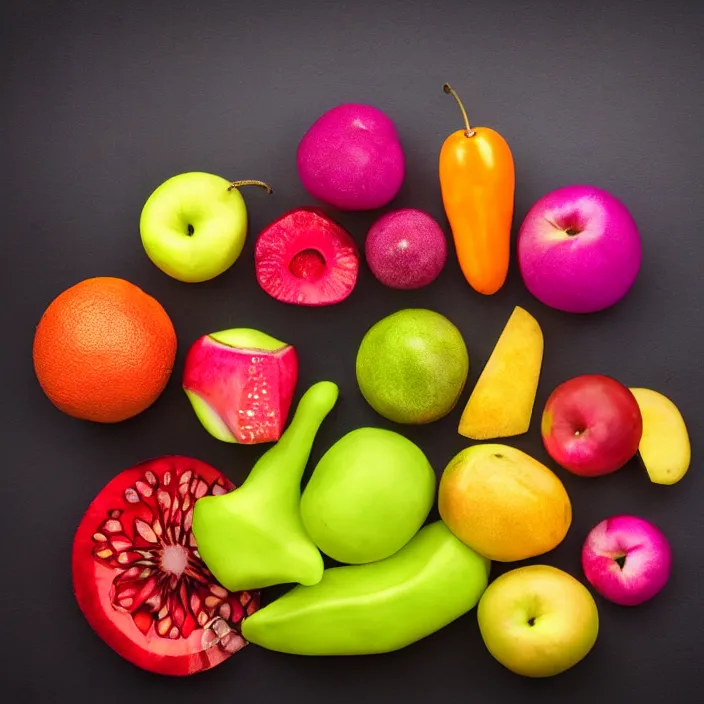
[238,184]
[468,131]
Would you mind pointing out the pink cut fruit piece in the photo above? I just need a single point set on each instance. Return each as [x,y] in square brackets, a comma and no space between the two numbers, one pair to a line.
[240,383]
[307,259]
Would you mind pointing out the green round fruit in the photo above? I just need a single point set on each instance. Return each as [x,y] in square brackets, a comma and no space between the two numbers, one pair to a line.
[412,366]
[368,496]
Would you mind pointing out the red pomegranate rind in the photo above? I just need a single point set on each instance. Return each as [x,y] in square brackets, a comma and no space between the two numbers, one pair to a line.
[288,256]
[250,390]
[138,577]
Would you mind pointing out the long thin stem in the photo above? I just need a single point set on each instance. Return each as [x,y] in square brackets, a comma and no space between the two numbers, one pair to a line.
[468,131]
[237,184]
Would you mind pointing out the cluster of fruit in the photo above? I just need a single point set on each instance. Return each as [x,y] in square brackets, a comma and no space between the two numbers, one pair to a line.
[170,557]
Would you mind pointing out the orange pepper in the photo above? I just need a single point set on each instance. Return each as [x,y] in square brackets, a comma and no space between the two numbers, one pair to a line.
[477,181]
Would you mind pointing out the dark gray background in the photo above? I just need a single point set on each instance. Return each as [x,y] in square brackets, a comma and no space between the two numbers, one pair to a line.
[104,101]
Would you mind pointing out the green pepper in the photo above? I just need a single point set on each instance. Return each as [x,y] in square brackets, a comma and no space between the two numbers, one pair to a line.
[377,607]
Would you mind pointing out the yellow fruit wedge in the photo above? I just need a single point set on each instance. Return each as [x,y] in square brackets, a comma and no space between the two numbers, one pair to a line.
[664,446]
[501,403]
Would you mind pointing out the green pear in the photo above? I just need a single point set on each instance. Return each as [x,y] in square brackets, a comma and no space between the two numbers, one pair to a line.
[368,496]
[253,537]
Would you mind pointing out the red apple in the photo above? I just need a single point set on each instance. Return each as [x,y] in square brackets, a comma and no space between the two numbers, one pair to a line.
[591,425]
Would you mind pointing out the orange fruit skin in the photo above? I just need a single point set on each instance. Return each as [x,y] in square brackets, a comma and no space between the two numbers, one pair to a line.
[503,503]
[104,350]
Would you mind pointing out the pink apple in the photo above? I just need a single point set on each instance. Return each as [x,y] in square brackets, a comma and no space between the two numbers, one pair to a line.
[240,383]
[591,425]
[627,559]
[579,249]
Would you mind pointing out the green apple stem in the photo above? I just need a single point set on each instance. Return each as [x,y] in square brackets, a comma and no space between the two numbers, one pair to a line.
[468,131]
[261,184]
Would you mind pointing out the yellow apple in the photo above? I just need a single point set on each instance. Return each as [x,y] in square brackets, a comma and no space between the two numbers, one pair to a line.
[664,446]
[538,620]
[501,403]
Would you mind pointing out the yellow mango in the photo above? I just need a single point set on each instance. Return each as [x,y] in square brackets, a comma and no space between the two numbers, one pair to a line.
[664,446]
[501,403]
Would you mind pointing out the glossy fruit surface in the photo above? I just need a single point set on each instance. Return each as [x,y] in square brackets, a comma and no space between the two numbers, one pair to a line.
[504,503]
[138,577]
[104,350]
[591,425]
[477,182]
[579,249]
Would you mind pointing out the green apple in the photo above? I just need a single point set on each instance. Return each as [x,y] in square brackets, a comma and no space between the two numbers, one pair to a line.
[194,225]
[538,621]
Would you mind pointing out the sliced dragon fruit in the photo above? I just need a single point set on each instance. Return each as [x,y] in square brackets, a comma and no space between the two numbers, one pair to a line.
[307,259]
[240,383]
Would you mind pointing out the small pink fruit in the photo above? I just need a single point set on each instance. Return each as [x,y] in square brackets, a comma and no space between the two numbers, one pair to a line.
[406,249]
[241,383]
[307,259]
[351,158]
[627,560]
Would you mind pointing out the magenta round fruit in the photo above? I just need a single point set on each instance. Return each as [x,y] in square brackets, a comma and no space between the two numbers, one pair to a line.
[138,577]
[406,249]
[351,158]
[627,559]
[579,249]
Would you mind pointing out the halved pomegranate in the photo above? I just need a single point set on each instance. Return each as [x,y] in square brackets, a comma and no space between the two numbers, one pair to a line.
[138,577]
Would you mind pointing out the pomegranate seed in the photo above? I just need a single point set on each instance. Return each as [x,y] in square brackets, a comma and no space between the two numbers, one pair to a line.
[183,489]
[232,642]
[201,489]
[104,554]
[144,489]
[202,618]
[151,477]
[156,527]
[174,633]
[163,612]
[145,530]
[211,602]
[225,610]
[175,505]
[209,639]
[113,526]
[219,591]
[120,545]
[131,496]
[193,543]
[173,582]
[188,521]
[163,626]
[218,490]
[167,478]
[221,628]
[99,538]
[186,502]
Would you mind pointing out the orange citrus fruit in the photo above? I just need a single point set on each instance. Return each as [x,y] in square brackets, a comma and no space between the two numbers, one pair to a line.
[104,350]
